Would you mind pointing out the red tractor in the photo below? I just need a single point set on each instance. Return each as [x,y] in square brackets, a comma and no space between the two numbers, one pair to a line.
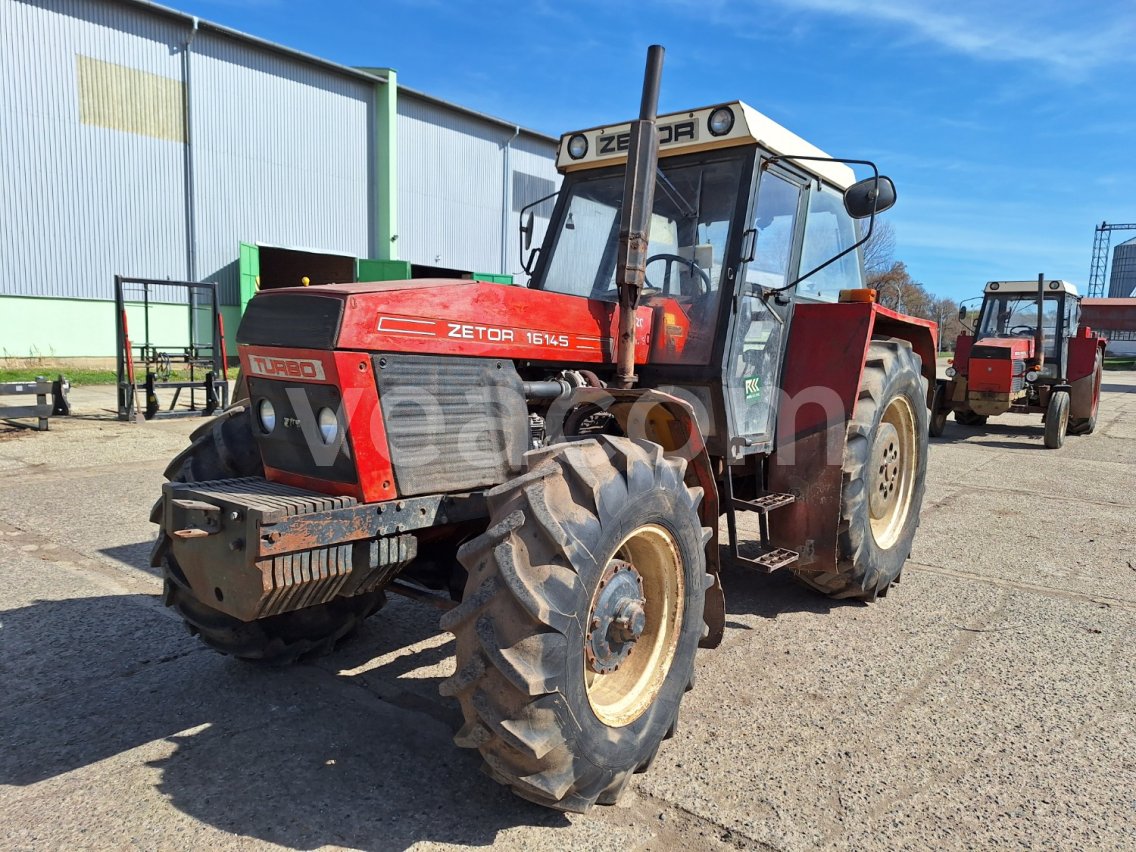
[1026,354]
[549,463]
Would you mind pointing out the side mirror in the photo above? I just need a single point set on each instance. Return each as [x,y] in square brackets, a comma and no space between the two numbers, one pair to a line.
[962,314]
[868,196]
[527,231]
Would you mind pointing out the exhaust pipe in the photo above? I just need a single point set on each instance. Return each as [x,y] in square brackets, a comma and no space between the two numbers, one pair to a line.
[635,215]
[1039,334]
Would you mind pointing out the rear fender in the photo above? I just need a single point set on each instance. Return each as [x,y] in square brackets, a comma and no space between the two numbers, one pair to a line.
[1084,389]
[671,423]
[824,362]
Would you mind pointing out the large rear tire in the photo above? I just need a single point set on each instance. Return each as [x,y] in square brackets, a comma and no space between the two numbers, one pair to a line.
[885,466]
[564,699]
[224,448]
[1088,425]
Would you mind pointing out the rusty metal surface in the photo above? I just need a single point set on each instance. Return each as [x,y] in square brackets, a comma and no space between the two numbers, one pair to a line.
[253,548]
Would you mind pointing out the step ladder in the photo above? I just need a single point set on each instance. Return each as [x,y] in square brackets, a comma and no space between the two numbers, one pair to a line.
[770,558]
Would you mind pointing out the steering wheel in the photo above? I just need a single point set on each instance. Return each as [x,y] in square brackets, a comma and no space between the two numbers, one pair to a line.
[672,259]
[1029,329]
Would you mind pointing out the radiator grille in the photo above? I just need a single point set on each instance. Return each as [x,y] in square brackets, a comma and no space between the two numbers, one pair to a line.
[453,424]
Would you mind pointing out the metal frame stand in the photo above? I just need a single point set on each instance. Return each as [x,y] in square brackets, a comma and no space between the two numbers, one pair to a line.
[208,359]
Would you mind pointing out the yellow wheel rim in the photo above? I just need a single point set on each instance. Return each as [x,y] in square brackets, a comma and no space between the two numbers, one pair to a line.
[891,472]
[627,657]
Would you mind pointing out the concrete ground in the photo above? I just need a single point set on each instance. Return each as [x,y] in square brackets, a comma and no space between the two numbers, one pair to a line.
[988,701]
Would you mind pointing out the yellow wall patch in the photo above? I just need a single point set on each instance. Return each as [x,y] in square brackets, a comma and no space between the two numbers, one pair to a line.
[126,99]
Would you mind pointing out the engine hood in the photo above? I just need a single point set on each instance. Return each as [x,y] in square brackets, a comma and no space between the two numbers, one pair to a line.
[442,316]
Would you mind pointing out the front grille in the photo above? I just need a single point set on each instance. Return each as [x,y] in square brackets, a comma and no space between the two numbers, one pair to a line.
[295,445]
[300,320]
[1019,376]
[453,424]
[999,353]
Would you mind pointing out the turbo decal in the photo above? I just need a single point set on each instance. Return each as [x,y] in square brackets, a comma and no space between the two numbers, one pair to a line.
[286,368]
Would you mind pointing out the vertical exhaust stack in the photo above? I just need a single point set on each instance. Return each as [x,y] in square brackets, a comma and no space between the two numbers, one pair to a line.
[1039,332]
[635,215]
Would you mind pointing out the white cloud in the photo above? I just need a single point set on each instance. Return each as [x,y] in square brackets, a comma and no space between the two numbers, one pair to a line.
[1055,35]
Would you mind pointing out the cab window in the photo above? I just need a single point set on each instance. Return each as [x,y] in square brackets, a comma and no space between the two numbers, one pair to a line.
[829,230]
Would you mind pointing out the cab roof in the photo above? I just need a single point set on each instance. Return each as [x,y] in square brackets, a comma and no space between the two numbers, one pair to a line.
[1030,286]
[684,132]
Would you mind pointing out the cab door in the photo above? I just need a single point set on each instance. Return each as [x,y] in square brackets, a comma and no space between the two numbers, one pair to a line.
[760,318]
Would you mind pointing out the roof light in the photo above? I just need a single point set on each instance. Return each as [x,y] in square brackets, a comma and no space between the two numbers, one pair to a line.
[1054,285]
[577,146]
[721,121]
[994,285]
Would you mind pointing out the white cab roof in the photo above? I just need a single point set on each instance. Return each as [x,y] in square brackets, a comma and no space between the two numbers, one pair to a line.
[1030,286]
[683,132]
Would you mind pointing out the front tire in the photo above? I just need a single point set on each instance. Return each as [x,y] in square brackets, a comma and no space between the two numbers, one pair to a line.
[1056,420]
[567,685]
[969,418]
[938,419]
[224,448]
[885,465]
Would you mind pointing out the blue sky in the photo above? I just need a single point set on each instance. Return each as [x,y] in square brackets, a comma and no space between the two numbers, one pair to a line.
[1008,126]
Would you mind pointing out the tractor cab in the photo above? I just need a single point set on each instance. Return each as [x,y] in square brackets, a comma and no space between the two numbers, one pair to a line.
[1026,353]
[747,219]
[1009,319]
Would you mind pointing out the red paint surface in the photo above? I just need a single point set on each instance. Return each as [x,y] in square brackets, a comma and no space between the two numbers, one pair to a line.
[474,318]
[351,372]
[827,347]
[991,374]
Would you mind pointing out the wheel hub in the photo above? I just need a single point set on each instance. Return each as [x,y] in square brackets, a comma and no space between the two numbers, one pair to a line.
[886,468]
[618,617]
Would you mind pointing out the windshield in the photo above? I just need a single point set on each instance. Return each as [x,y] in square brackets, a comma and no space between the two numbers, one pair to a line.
[1015,315]
[689,232]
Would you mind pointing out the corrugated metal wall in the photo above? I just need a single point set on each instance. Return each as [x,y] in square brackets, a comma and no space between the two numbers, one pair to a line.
[455,178]
[83,201]
[281,156]
[93,165]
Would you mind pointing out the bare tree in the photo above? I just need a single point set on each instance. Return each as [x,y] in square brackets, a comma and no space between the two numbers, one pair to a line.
[879,250]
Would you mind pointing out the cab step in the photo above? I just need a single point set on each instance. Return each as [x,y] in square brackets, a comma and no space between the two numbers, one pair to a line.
[766,502]
[769,560]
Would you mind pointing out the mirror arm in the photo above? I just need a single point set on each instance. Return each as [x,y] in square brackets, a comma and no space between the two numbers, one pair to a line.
[521,246]
[854,246]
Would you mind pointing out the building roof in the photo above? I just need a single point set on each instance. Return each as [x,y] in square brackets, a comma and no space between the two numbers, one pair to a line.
[195,22]
[369,74]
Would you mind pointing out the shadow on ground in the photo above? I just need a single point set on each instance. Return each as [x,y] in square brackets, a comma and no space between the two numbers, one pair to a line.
[135,555]
[749,592]
[302,757]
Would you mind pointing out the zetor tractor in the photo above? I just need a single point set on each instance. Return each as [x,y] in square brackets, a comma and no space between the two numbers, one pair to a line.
[1026,354]
[549,463]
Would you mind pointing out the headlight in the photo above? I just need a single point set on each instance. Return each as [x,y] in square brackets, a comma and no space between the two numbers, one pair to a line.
[721,121]
[266,414]
[328,425]
[951,372]
[1032,375]
[577,146]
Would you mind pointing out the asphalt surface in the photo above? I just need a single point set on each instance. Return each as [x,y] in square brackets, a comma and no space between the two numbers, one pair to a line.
[988,701]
